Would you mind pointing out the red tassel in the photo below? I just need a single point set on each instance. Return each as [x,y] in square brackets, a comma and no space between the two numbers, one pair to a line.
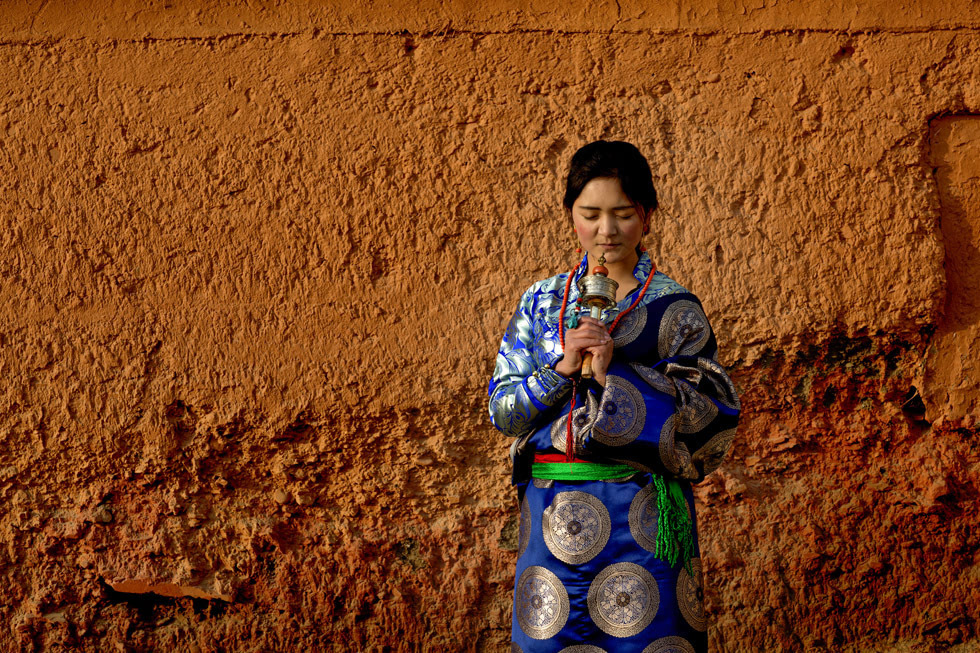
[569,438]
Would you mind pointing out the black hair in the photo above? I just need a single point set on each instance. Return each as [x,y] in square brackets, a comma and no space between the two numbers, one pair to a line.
[613,159]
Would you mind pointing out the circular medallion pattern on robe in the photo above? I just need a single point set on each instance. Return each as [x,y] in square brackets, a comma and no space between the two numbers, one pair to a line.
[524,531]
[696,412]
[670,644]
[580,424]
[683,329]
[725,389]
[690,596]
[624,413]
[630,327]
[644,517]
[674,455]
[542,603]
[576,527]
[656,380]
[623,599]
[582,648]
[714,450]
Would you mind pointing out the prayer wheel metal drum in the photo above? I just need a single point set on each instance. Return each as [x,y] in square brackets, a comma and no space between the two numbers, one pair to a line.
[598,292]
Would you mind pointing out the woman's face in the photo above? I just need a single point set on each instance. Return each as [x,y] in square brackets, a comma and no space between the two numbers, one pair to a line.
[607,222]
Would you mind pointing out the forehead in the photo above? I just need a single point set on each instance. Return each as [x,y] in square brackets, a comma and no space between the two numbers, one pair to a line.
[602,193]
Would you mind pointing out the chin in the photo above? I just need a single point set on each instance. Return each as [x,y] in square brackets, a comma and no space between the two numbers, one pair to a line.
[616,255]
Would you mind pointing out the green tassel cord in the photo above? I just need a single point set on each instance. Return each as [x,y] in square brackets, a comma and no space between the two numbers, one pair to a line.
[675,533]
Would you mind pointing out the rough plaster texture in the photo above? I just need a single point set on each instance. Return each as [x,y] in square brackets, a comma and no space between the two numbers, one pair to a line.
[256,263]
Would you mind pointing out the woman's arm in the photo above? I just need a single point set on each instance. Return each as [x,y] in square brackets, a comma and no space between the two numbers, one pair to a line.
[520,392]
[677,416]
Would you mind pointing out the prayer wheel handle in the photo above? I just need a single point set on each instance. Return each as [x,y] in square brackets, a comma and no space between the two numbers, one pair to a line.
[598,292]
[596,313]
[587,365]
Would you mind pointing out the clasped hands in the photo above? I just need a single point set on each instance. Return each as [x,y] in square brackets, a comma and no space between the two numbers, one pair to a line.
[592,336]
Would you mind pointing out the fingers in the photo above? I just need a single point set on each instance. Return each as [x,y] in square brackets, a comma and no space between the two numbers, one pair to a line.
[586,338]
[590,333]
[587,319]
[589,325]
[603,349]
[601,357]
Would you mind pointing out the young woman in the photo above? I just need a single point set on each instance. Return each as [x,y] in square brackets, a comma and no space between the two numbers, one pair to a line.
[608,557]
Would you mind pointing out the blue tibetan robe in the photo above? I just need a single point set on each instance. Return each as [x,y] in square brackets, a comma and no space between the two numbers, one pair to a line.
[587,579]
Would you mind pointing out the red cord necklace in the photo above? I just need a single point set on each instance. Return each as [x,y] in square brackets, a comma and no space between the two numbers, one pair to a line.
[569,444]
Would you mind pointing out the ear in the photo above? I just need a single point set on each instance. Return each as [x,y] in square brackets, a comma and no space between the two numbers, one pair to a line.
[644,217]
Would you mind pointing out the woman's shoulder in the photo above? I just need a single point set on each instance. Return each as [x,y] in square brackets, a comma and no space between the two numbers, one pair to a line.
[662,286]
[551,285]
[546,289]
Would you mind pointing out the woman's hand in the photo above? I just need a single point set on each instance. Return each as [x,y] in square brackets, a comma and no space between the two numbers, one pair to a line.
[592,336]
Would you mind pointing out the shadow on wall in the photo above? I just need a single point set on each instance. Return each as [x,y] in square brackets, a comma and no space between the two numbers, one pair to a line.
[951,371]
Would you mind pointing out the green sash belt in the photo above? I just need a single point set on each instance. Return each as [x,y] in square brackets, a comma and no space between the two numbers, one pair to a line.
[580,471]
[675,532]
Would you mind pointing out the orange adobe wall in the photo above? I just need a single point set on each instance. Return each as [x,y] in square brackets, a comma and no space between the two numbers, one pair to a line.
[256,262]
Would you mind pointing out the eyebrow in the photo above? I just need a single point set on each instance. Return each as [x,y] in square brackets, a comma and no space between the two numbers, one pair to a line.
[615,208]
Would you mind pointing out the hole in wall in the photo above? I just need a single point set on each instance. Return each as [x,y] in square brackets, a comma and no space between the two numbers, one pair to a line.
[846,51]
[912,405]
[150,607]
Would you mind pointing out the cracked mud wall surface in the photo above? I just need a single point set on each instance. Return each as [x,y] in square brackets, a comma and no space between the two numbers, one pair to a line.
[256,267]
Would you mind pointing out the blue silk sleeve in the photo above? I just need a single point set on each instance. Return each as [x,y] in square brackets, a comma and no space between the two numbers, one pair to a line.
[522,394]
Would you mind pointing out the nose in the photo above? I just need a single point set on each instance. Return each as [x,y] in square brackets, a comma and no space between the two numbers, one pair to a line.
[607,225]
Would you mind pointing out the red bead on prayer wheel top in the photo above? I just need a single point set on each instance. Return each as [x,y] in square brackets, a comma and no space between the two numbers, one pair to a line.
[600,269]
